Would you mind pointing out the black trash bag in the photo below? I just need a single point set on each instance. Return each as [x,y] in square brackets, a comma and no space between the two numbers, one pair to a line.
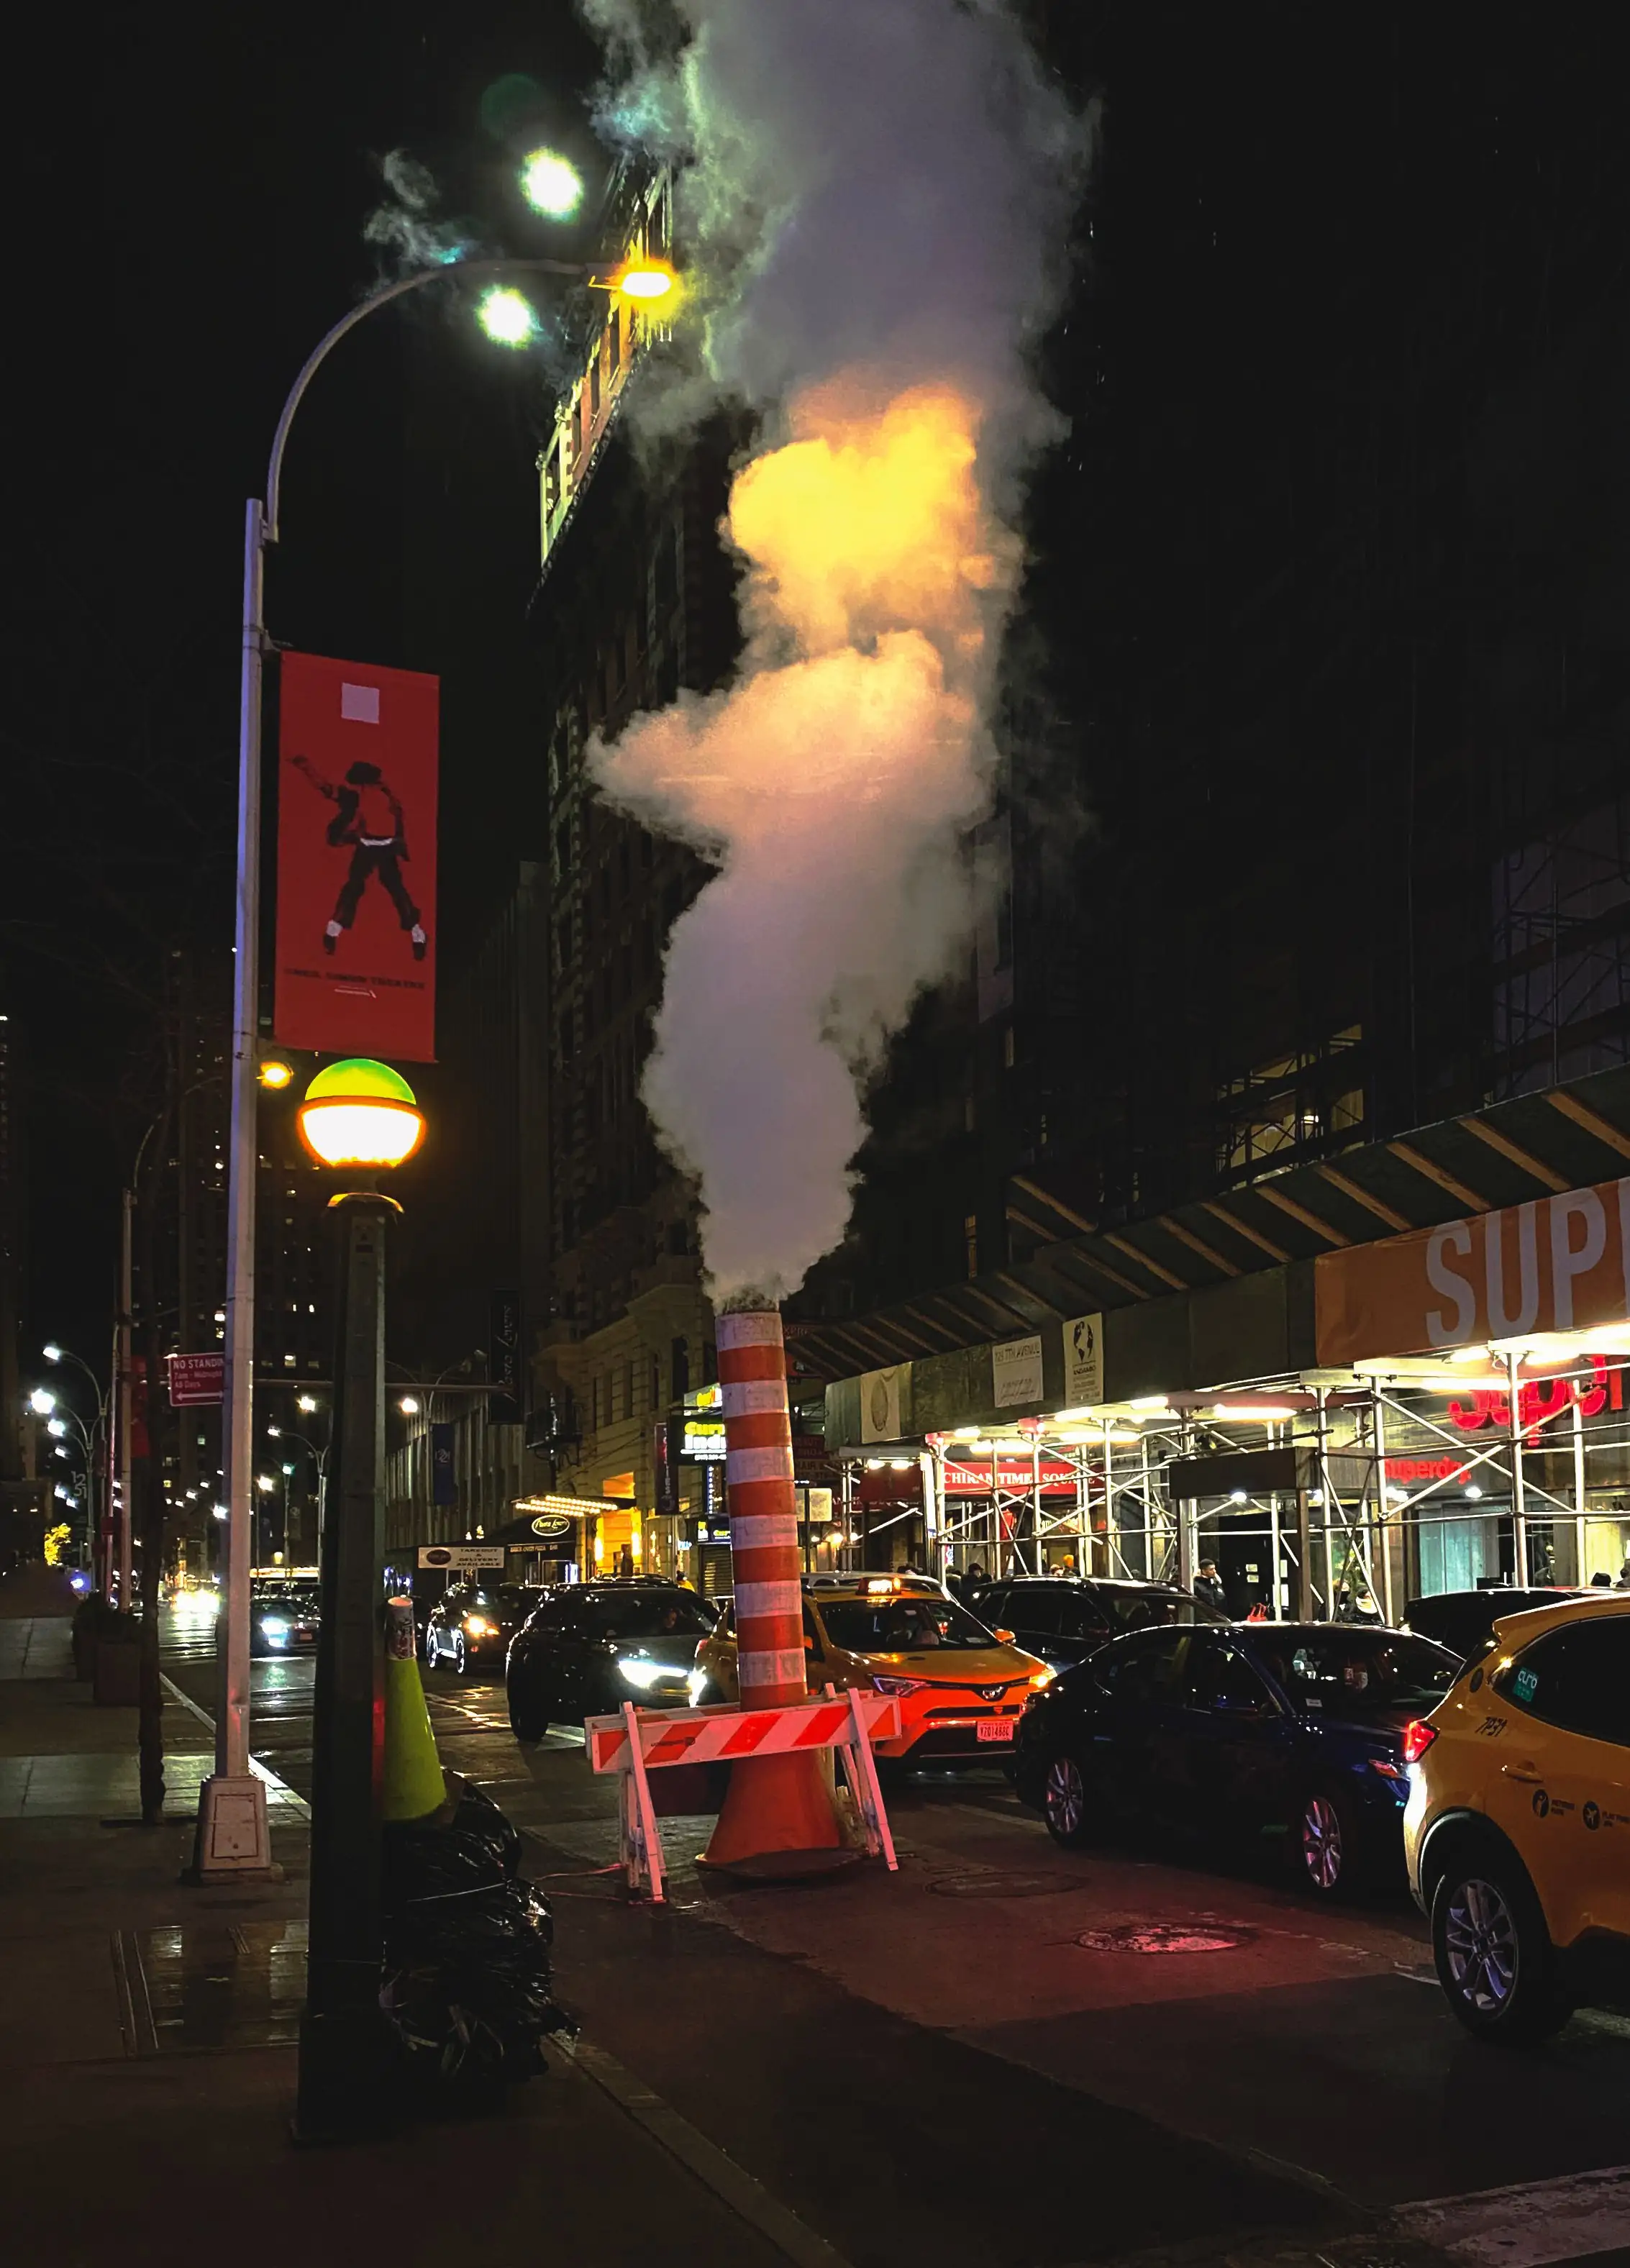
[470,1984]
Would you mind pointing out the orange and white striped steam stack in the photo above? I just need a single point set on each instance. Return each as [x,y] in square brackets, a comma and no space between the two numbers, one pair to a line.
[777,1816]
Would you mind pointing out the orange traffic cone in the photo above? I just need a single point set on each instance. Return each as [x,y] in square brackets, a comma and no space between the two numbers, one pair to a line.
[413,1783]
[779,1821]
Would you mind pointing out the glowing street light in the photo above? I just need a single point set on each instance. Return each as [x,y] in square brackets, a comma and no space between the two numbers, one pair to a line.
[551,184]
[409,1405]
[265,1484]
[42,1402]
[56,1429]
[276,1073]
[639,279]
[507,316]
[53,1352]
[360,1112]
[306,1402]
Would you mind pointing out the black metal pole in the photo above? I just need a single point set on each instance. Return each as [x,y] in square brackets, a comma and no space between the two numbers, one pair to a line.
[345,2089]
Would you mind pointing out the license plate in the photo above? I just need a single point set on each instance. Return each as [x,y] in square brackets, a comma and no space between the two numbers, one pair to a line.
[996,1728]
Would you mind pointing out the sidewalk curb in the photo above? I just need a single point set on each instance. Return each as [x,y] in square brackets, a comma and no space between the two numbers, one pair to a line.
[295,1802]
[747,2199]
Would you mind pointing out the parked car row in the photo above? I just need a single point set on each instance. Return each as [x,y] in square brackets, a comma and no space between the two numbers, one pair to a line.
[1492,1770]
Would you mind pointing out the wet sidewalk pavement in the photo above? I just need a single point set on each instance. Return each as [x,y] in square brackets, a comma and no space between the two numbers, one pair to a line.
[147,2038]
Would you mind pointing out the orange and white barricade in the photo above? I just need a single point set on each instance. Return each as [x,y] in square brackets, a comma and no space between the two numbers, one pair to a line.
[639,1741]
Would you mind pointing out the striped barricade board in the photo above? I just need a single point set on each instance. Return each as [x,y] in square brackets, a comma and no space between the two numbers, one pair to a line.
[636,1742]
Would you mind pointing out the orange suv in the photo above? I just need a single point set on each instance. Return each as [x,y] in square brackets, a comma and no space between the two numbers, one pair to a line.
[962,1688]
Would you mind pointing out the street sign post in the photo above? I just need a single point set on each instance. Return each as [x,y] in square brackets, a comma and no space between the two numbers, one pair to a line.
[197,1380]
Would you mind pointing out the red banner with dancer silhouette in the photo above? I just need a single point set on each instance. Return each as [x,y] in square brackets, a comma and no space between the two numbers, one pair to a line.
[355,949]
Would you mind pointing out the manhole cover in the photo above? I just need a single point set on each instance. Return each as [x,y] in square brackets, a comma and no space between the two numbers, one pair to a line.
[995,1885]
[1166,1936]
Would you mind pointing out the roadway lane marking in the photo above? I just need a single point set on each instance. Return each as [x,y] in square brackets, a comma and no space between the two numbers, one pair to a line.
[275,1787]
[746,2198]
[1528,2225]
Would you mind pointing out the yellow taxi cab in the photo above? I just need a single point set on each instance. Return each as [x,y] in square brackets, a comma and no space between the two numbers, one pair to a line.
[1517,1828]
[962,1688]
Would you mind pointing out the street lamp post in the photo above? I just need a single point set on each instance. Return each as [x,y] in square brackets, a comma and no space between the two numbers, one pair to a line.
[320,1460]
[362,1116]
[234,1838]
[96,1452]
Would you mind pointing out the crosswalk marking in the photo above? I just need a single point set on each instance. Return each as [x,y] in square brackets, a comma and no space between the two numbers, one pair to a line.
[1527,2226]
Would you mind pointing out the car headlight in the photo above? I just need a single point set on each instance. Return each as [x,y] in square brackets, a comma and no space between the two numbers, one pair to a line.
[898,1685]
[643,1673]
[1045,1675]
[478,1626]
[696,1685]
[273,1629]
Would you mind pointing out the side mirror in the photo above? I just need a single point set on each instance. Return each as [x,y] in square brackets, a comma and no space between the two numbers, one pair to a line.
[1003,1637]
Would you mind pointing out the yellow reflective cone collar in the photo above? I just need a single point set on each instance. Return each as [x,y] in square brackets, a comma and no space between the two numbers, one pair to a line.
[414,1786]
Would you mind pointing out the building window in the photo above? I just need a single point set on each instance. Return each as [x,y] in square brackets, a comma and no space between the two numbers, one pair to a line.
[970,1239]
[1291,1108]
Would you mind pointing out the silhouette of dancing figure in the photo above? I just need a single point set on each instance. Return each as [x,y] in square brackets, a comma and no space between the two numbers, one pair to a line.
[368,817]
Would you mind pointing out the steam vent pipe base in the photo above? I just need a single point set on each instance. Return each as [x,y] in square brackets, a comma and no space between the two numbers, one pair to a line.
[778,1823]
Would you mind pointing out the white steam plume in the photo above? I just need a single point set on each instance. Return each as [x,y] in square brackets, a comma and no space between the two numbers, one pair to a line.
[875,198]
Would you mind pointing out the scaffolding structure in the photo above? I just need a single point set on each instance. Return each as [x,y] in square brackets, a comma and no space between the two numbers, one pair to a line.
[1525,1481]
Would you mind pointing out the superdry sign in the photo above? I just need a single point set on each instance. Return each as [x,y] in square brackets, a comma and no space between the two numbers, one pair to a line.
[1561,1263]
[356,947]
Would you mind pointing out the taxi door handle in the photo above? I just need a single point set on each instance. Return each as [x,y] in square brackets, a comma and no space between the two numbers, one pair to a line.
[1525,1772]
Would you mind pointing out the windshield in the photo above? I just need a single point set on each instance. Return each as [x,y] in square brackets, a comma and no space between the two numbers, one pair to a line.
[663,1616]
[509,1598]
[1339,1670]
[1131,1609]
[901,1625]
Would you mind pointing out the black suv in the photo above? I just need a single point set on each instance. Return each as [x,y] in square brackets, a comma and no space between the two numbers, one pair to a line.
[1064,1619]
[471,1624]
[591,1646]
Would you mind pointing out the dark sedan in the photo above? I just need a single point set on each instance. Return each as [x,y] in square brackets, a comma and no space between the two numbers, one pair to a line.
[1463,1621]
[284,1622]
[471,1624]
[1063,1618]
[591,1646]
[1274,1725]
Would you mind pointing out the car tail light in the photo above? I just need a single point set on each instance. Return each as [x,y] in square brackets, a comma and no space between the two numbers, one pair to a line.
[1418,1738]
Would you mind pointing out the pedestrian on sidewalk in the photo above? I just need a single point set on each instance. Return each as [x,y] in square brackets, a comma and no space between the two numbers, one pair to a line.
[1208,1586]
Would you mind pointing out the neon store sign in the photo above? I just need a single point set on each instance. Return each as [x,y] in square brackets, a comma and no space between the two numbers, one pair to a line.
[1539,1401]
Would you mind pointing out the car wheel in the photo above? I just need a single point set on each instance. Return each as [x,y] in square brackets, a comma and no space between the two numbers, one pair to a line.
[527,1724]
[1324,1844]
[1067,1804]
[461,1660]
[431,1654]
[1494,1953]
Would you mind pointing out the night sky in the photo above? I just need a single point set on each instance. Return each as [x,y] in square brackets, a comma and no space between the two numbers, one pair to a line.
[195,188]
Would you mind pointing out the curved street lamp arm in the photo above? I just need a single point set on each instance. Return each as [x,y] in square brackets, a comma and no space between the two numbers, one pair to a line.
[348,322]
[67,1354]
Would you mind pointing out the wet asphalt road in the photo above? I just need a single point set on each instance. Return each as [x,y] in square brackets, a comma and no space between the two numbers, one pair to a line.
[972,2030]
